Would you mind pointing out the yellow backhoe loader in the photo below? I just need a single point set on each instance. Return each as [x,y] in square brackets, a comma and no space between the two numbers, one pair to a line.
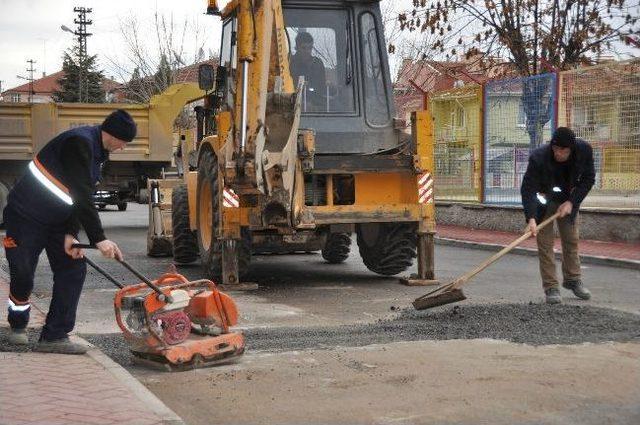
[297,147]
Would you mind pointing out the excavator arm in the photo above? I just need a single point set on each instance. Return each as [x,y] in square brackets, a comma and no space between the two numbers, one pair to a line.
[260,157]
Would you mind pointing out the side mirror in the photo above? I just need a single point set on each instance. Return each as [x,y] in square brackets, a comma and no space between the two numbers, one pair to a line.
[221,80]
[206,77]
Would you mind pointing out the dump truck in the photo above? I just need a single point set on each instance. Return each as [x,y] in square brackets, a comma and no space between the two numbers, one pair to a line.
[288,159]
[26,127]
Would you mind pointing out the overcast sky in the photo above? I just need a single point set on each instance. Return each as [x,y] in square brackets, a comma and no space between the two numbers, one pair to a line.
[31,30]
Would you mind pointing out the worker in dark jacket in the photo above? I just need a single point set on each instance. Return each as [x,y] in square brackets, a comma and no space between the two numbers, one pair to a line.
[558,178]
[45,211]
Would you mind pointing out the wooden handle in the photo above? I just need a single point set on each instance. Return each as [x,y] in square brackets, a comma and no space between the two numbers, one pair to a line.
[486,263]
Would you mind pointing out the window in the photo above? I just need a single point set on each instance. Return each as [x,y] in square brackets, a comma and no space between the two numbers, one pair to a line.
[321,54]
[228,51]
[15,97]
[459,117]
[522,116]
[228,47]
[375,95]
[583,114]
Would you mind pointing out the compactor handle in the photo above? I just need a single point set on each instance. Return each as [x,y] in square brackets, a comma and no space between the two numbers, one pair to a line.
[162,296]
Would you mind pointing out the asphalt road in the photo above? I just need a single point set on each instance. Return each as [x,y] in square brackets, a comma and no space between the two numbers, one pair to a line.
[339,344]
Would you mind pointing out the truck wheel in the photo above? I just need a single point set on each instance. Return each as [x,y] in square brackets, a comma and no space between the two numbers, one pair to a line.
[209,218]
[336,249]
[387,248]
[122,206]
[185,243]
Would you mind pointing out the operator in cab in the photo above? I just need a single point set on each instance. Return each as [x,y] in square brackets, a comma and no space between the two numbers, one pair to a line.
[304,64]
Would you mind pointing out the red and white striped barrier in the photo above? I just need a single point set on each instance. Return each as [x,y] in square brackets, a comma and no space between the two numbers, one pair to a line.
[230,199]
[425,188]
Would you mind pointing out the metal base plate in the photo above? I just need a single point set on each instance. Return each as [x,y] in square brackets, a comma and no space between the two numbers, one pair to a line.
[413,280]
[157,361]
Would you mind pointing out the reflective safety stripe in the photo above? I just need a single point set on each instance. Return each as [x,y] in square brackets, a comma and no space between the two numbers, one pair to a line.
[425,188]
[14,307]
[230,199]
[50,182]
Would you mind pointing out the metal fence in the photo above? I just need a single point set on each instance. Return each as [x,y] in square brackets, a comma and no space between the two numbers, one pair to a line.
[458,136]
[519,116]
[602,105]
[495,130]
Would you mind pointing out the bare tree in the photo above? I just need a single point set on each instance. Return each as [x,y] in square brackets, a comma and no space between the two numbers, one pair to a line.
[152,58]
[532,35]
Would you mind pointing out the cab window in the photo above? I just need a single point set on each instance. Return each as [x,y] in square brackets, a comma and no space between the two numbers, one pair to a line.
[375,94]
[321,54]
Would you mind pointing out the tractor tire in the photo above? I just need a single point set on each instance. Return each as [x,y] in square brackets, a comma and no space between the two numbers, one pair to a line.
[209,218]
[185,243]
[387,248]
[337,247]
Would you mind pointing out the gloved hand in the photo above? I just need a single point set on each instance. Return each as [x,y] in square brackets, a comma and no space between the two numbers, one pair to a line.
[109,249]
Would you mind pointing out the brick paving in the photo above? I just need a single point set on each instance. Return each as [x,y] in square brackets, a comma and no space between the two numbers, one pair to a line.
[612,250]
[56,389]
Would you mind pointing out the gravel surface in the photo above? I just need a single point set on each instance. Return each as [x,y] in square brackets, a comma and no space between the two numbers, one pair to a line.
[535,324]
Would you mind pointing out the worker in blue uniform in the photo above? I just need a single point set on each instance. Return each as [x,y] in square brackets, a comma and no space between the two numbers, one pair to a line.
[45,211]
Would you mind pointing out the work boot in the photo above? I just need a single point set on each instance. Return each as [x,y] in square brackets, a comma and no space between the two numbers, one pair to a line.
[578,289]
[60,346]
[553,295]
[18,337]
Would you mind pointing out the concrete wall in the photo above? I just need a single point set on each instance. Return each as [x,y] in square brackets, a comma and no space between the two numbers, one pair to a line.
[597,224]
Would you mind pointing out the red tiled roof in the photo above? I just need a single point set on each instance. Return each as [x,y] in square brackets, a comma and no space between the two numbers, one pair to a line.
[49,84]
[190,73]
[432,75]
[44,85]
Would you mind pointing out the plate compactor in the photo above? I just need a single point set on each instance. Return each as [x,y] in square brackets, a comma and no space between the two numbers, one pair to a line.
[174,323]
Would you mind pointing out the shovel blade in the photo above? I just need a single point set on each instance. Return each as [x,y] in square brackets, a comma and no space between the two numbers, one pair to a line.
[448,297]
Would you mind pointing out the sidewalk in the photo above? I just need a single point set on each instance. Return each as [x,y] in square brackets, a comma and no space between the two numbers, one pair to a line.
[56,389]
[594,252]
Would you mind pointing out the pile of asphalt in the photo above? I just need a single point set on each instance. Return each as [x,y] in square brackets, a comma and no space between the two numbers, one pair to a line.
[534,324]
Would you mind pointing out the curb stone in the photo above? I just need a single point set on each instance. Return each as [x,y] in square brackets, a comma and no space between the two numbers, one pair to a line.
[168,416]
[588,259]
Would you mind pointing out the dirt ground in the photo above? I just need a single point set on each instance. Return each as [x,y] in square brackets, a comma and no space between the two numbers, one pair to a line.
[444,382]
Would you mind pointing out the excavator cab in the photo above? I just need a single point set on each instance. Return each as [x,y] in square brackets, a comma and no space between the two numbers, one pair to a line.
[348,96]
[338,48]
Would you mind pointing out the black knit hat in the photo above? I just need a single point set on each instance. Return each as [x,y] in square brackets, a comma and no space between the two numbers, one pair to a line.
[563,137]
[120,125]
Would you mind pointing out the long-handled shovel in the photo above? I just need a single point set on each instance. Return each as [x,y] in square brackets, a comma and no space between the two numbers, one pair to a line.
[451,292]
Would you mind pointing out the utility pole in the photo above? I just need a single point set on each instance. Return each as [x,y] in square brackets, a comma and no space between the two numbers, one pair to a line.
[82,34]
[30,71]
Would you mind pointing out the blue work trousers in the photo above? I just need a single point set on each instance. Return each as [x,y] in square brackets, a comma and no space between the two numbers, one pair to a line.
[28,239]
